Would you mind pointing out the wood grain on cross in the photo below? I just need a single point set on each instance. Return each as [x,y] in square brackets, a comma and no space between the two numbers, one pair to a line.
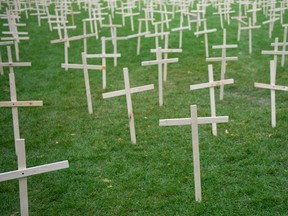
[211,84]
[272,87]
[194,121]
[127,92]
[23,172]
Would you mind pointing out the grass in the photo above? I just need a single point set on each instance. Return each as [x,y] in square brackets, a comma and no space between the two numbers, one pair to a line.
[244,169]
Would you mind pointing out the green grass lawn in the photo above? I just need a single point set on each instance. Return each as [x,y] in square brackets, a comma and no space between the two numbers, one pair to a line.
[244,169]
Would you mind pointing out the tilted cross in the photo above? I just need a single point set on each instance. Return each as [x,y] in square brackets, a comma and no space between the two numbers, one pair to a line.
[128,91]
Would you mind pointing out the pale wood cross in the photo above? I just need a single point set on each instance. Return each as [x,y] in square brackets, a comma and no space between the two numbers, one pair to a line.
[181,28]
[284,44]
[240,21]
[114,38]
[166,50]
[3,44]
[128,91]
[16,36]
[275,52]
[159,61]
[156,35]
[194,121]
[140,34]
[272,86]
[205,31]
[254,11]
[14,104]
[249,28]
[23,172]
[223,59]
[85,68]
[211,84]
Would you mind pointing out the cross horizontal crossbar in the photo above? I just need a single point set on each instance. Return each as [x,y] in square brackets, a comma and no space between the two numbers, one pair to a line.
[33,171]
[272,52]
[269,86]
[225,46]
[15,64]
[102,55]
[167,50]
[132,90]
[220,59]
[156,62]
[20,103]
[205,32]
[187,121]
[80,66]
[211,84]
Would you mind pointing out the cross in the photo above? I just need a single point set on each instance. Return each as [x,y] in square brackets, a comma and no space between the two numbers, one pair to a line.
[156,35]
[272,86]
[249,28]
[114,38]
[271,22]
[14,104]
[205,32]
[166,50]
[128,91]
[211,84]
[139,35]
[240,21]
[159,61]
[23,172]
[254,11]
[85,68]
[275,52]
[283,44]
[223,59]
[194,121]
[103,56]
[180,29]
[3,44]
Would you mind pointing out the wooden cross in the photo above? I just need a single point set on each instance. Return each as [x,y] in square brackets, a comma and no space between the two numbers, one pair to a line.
[254,11]
[103,56]
[205,32]
[275,52]
[271,22]
[211,84]
[114,38]
[272,86]
[128,91]
[3,44]
[283,44]
[166,50]
[156,35]
[249,28]
[194,121]
[240,22]
[159,61]
[139,35]
[23,172]
[85,68]
[223,60]
[180,29]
